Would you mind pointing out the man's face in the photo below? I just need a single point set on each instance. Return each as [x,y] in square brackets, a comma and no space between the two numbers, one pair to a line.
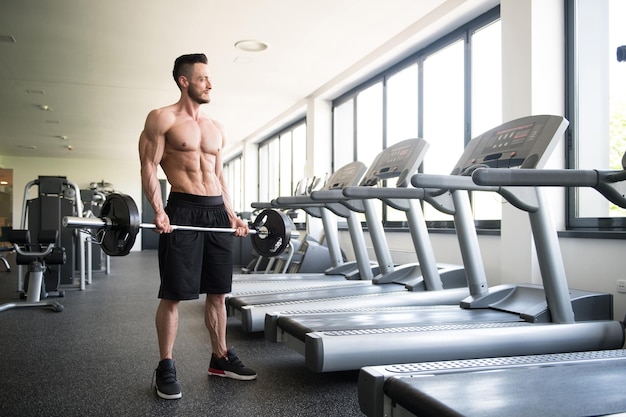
[200,84]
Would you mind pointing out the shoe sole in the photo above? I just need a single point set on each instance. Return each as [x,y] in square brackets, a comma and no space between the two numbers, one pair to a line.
[232,375]
[168,396]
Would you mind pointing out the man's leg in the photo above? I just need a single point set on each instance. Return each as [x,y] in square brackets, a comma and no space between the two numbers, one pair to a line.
[215,321]
[224,361]
[167,326]
[166,320]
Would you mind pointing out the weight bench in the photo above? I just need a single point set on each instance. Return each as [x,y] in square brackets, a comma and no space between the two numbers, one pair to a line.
[36,256]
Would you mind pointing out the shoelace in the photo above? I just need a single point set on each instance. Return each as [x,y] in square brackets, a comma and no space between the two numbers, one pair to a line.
[166,376]
[234,361]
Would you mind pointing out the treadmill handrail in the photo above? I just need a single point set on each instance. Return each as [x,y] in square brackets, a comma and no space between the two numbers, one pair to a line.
[384,192]
[298,200]
[336,196]
[442,183]
[328,195]
[260,205]
[601,180]
[535,177]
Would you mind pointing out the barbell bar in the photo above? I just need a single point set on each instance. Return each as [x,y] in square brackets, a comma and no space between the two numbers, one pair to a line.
[119,224]
[104,223]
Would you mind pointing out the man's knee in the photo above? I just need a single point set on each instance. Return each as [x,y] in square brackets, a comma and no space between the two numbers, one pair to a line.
[216,299]
[168,305]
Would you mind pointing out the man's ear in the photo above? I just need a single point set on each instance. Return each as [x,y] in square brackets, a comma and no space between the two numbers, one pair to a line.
[183,81]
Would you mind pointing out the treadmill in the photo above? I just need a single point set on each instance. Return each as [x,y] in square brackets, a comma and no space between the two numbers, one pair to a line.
[337,265]
[357,273]
[397,161]
[504,320]
[341,273]
[561,384]
[400,308]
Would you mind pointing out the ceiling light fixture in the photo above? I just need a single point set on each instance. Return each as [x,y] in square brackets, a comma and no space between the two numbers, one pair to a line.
[250,45]
[44,107]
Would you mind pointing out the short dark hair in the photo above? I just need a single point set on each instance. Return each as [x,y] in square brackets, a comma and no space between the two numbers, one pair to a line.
[183,64]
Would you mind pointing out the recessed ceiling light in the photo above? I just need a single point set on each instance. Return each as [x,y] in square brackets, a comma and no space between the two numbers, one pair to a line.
[33,91]
[44,107]
[29,147]
[251,45]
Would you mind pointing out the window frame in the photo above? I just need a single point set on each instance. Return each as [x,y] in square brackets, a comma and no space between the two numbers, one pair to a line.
[463,33]
[573,223]
[232,169]
[275,138]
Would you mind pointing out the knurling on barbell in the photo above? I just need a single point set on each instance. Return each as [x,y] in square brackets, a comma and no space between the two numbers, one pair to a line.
[119,223]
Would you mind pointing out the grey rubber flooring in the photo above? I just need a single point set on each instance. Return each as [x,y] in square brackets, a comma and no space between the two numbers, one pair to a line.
[97,357]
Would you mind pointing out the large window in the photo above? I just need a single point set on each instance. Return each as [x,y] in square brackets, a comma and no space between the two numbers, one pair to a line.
[233,173]
[447,93]
[443,109]
[486,106]
[282,158]
[596,93]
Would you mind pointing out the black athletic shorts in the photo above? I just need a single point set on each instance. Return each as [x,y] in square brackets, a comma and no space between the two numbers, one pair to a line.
[193,263]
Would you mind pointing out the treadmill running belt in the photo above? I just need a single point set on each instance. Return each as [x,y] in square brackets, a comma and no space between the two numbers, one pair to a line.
[301,325]
[556,391]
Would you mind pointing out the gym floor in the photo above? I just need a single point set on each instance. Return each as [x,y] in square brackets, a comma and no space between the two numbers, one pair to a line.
[97,357]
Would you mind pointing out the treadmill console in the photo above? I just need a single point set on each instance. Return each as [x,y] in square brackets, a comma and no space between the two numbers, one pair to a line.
[400,160]
[346,176]
[521,143]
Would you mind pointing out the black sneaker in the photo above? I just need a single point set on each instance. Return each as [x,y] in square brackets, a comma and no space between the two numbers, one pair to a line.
[167,386]
[230,367]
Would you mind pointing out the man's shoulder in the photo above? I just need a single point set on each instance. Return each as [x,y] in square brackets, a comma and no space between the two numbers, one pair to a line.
[162,116]
[166,111]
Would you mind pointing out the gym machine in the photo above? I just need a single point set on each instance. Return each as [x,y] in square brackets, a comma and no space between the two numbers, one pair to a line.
[37,257]
[57,197]
[339,273]
[574,383]
[388,289]
[521,319]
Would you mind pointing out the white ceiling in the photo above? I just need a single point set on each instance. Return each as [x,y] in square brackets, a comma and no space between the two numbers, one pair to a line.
[101,66]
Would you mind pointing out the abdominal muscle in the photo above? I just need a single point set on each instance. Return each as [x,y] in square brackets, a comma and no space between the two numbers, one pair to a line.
[191,172]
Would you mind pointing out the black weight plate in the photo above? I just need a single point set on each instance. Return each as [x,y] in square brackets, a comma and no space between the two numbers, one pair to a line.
[120,237]
[278,228]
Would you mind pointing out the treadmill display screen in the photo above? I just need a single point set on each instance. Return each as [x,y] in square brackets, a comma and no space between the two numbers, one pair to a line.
[396,161]
[524,142]
[393,160]
[511,138]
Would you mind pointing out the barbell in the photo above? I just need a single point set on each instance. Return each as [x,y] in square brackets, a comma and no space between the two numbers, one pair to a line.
[119,223]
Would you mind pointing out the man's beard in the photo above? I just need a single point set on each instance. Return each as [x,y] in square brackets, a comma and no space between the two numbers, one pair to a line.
[195,96]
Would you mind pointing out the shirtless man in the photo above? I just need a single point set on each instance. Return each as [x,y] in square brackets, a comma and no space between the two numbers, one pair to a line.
[188,145]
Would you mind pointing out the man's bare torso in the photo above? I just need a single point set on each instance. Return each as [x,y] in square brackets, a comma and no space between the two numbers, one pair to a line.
[191,157]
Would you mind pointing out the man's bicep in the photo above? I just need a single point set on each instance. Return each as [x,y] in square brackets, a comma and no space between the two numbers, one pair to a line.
[152,140]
